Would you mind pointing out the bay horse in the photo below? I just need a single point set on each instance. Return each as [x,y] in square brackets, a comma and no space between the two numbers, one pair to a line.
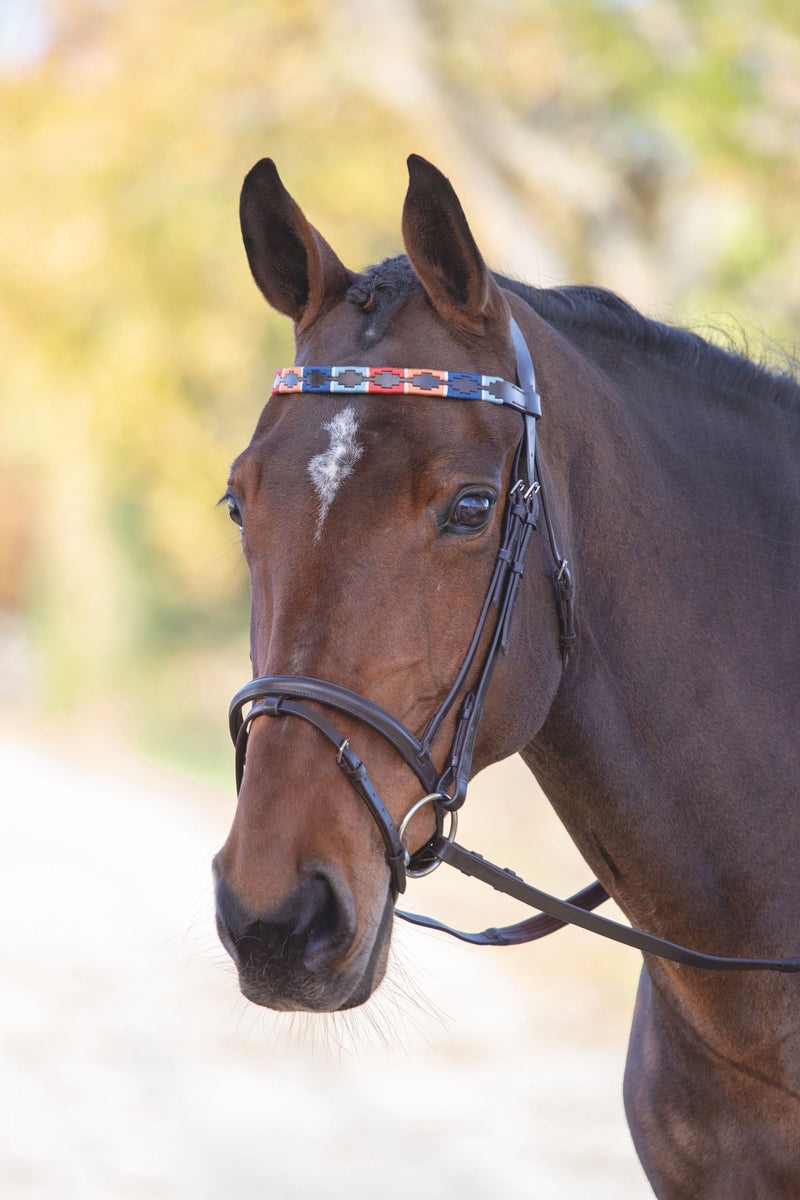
[646,667]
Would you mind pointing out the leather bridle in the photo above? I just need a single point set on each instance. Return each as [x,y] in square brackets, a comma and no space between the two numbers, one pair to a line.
[445,789]
[283,695]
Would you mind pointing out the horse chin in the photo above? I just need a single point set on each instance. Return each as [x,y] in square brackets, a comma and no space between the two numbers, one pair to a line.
[289,989]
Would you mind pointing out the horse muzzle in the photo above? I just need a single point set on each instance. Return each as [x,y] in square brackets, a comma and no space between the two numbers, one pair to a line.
[304,954]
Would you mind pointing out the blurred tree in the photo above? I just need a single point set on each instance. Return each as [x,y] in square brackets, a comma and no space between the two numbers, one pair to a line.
[648,146]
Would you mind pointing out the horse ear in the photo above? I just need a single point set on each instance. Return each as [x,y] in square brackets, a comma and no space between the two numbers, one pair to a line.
[442,250]
[293,265]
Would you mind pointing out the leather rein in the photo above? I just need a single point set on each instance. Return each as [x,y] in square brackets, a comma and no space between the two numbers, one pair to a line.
[292,695]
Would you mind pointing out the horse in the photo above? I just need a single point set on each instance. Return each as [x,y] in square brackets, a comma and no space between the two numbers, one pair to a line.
[647,669]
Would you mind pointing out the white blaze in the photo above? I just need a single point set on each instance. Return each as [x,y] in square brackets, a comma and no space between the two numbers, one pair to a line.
[330,469]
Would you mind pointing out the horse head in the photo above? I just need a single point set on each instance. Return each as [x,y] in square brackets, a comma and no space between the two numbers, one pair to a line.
[371,526]
[386,520]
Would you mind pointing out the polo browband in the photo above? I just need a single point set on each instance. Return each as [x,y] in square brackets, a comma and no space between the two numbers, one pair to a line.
[290,695]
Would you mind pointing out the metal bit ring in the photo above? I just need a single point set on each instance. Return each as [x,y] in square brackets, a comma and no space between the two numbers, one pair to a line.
[406,821]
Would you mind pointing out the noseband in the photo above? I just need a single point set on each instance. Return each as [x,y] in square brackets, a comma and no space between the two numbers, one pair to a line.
[445,789]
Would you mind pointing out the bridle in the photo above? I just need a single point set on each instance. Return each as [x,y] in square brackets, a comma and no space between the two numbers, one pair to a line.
[283,695]
[293,695]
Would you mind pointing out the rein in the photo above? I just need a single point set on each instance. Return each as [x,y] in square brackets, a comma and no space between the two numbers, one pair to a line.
[289,695]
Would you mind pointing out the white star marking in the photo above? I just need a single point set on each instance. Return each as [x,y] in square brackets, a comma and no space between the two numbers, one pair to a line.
[329,470]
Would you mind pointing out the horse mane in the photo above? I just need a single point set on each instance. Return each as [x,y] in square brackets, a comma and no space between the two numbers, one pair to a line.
[581,310]
[578,311]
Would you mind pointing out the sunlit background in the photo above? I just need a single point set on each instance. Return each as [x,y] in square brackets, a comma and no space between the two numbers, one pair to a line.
[652,147]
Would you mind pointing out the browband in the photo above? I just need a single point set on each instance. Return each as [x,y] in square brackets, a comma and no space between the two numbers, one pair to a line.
[406,381]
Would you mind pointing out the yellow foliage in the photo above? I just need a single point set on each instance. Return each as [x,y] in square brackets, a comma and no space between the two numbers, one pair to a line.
[136,352]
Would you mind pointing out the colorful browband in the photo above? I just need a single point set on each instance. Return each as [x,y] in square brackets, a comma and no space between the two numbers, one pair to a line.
[399,381]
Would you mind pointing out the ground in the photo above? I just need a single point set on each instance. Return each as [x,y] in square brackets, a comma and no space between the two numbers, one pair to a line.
[133,1069]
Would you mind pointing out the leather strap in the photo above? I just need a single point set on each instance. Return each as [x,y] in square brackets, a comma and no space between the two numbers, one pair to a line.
[573,912]
[533,407]
[351,764]
[305,687]
[520,933]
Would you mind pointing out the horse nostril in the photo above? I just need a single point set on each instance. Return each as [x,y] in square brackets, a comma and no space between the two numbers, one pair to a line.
[328,930]
[232,917]
[309,929]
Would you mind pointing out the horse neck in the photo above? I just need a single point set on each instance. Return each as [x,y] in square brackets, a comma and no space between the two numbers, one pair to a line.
[671,739]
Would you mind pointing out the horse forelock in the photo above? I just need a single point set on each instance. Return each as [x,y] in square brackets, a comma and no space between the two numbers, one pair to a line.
[379,292]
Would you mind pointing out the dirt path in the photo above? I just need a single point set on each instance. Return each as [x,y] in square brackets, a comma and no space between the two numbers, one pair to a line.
[132,1069]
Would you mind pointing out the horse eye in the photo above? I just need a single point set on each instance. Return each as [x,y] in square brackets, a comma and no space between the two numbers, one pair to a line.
[234,512]
[470,512]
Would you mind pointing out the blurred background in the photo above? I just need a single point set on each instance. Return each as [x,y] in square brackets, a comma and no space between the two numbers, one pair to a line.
[649,146]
